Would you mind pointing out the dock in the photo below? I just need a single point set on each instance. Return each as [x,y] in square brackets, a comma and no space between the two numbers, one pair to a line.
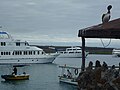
[71,78]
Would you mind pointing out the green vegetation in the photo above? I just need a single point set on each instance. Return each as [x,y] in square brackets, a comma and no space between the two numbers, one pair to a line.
[101,53]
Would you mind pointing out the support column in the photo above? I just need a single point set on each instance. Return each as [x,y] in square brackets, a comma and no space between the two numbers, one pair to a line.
[83,54]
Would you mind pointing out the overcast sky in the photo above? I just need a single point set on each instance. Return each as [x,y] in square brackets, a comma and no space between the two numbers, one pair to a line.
[53,21]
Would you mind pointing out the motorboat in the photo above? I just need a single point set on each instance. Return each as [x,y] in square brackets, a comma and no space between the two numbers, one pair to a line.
[72,52]
[18,51]
[116,52]
[15,76]
[69,74]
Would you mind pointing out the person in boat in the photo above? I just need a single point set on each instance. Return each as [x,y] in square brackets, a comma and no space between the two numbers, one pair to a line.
[24,72]
[69,73]
[14,71]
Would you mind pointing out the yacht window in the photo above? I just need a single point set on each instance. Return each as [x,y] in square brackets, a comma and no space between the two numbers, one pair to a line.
[13,53]
[70,49]
[34,52]
[20,52]
[3,44]
[17,43]
[6,53]
[38,52]
[71,52]
[9,53]
[30,52]
[1,53]
[16,53]
[24,53]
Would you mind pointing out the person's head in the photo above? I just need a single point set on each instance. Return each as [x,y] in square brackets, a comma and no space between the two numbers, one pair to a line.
[90,63]
[113,66]
[104,64]
[97,64]
[68,70]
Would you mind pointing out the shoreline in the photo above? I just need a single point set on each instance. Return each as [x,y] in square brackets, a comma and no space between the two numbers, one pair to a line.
[91,50]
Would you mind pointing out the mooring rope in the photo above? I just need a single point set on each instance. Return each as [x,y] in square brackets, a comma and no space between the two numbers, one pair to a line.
[104,44]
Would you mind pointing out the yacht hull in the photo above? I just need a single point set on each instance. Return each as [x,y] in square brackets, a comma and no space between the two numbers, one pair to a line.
[41,60]
[26,60]
[15,77]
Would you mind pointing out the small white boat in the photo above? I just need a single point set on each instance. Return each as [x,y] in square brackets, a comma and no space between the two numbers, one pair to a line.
[69,75]
[17,51]
[116,52]
[73,52]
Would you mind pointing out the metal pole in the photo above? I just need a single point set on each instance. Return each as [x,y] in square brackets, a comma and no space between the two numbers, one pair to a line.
[83,54]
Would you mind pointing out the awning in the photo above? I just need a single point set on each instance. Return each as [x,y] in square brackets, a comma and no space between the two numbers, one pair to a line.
[107,30]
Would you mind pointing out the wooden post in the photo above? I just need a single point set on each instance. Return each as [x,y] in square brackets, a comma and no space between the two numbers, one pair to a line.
[119,66]
[83,54]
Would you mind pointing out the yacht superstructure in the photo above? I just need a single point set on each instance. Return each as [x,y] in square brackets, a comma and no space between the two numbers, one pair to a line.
[17,51]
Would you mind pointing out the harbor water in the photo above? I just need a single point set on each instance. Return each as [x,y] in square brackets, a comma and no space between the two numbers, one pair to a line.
[45,76]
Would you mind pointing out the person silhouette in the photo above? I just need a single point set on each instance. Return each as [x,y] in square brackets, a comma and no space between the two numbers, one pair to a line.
[15,70]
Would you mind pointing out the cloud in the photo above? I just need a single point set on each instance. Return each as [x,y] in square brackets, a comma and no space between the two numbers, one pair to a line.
[52,20]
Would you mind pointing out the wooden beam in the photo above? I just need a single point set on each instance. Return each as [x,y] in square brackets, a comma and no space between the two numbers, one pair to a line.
[83,54]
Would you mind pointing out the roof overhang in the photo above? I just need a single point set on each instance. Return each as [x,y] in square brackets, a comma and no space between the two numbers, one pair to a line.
[107,30]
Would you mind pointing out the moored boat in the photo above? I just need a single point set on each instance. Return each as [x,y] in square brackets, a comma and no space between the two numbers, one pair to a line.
[15,76]
[116,52]
[69,75]
[72,52]
[17,51]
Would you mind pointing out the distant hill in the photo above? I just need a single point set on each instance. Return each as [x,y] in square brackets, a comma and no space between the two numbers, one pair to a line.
[91,50]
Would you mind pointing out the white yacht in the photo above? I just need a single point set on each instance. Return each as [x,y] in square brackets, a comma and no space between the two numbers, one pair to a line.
[73,52]
[116,52]
[17,51]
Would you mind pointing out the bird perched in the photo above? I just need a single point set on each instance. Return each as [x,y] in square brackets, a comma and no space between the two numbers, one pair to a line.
[106,17]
